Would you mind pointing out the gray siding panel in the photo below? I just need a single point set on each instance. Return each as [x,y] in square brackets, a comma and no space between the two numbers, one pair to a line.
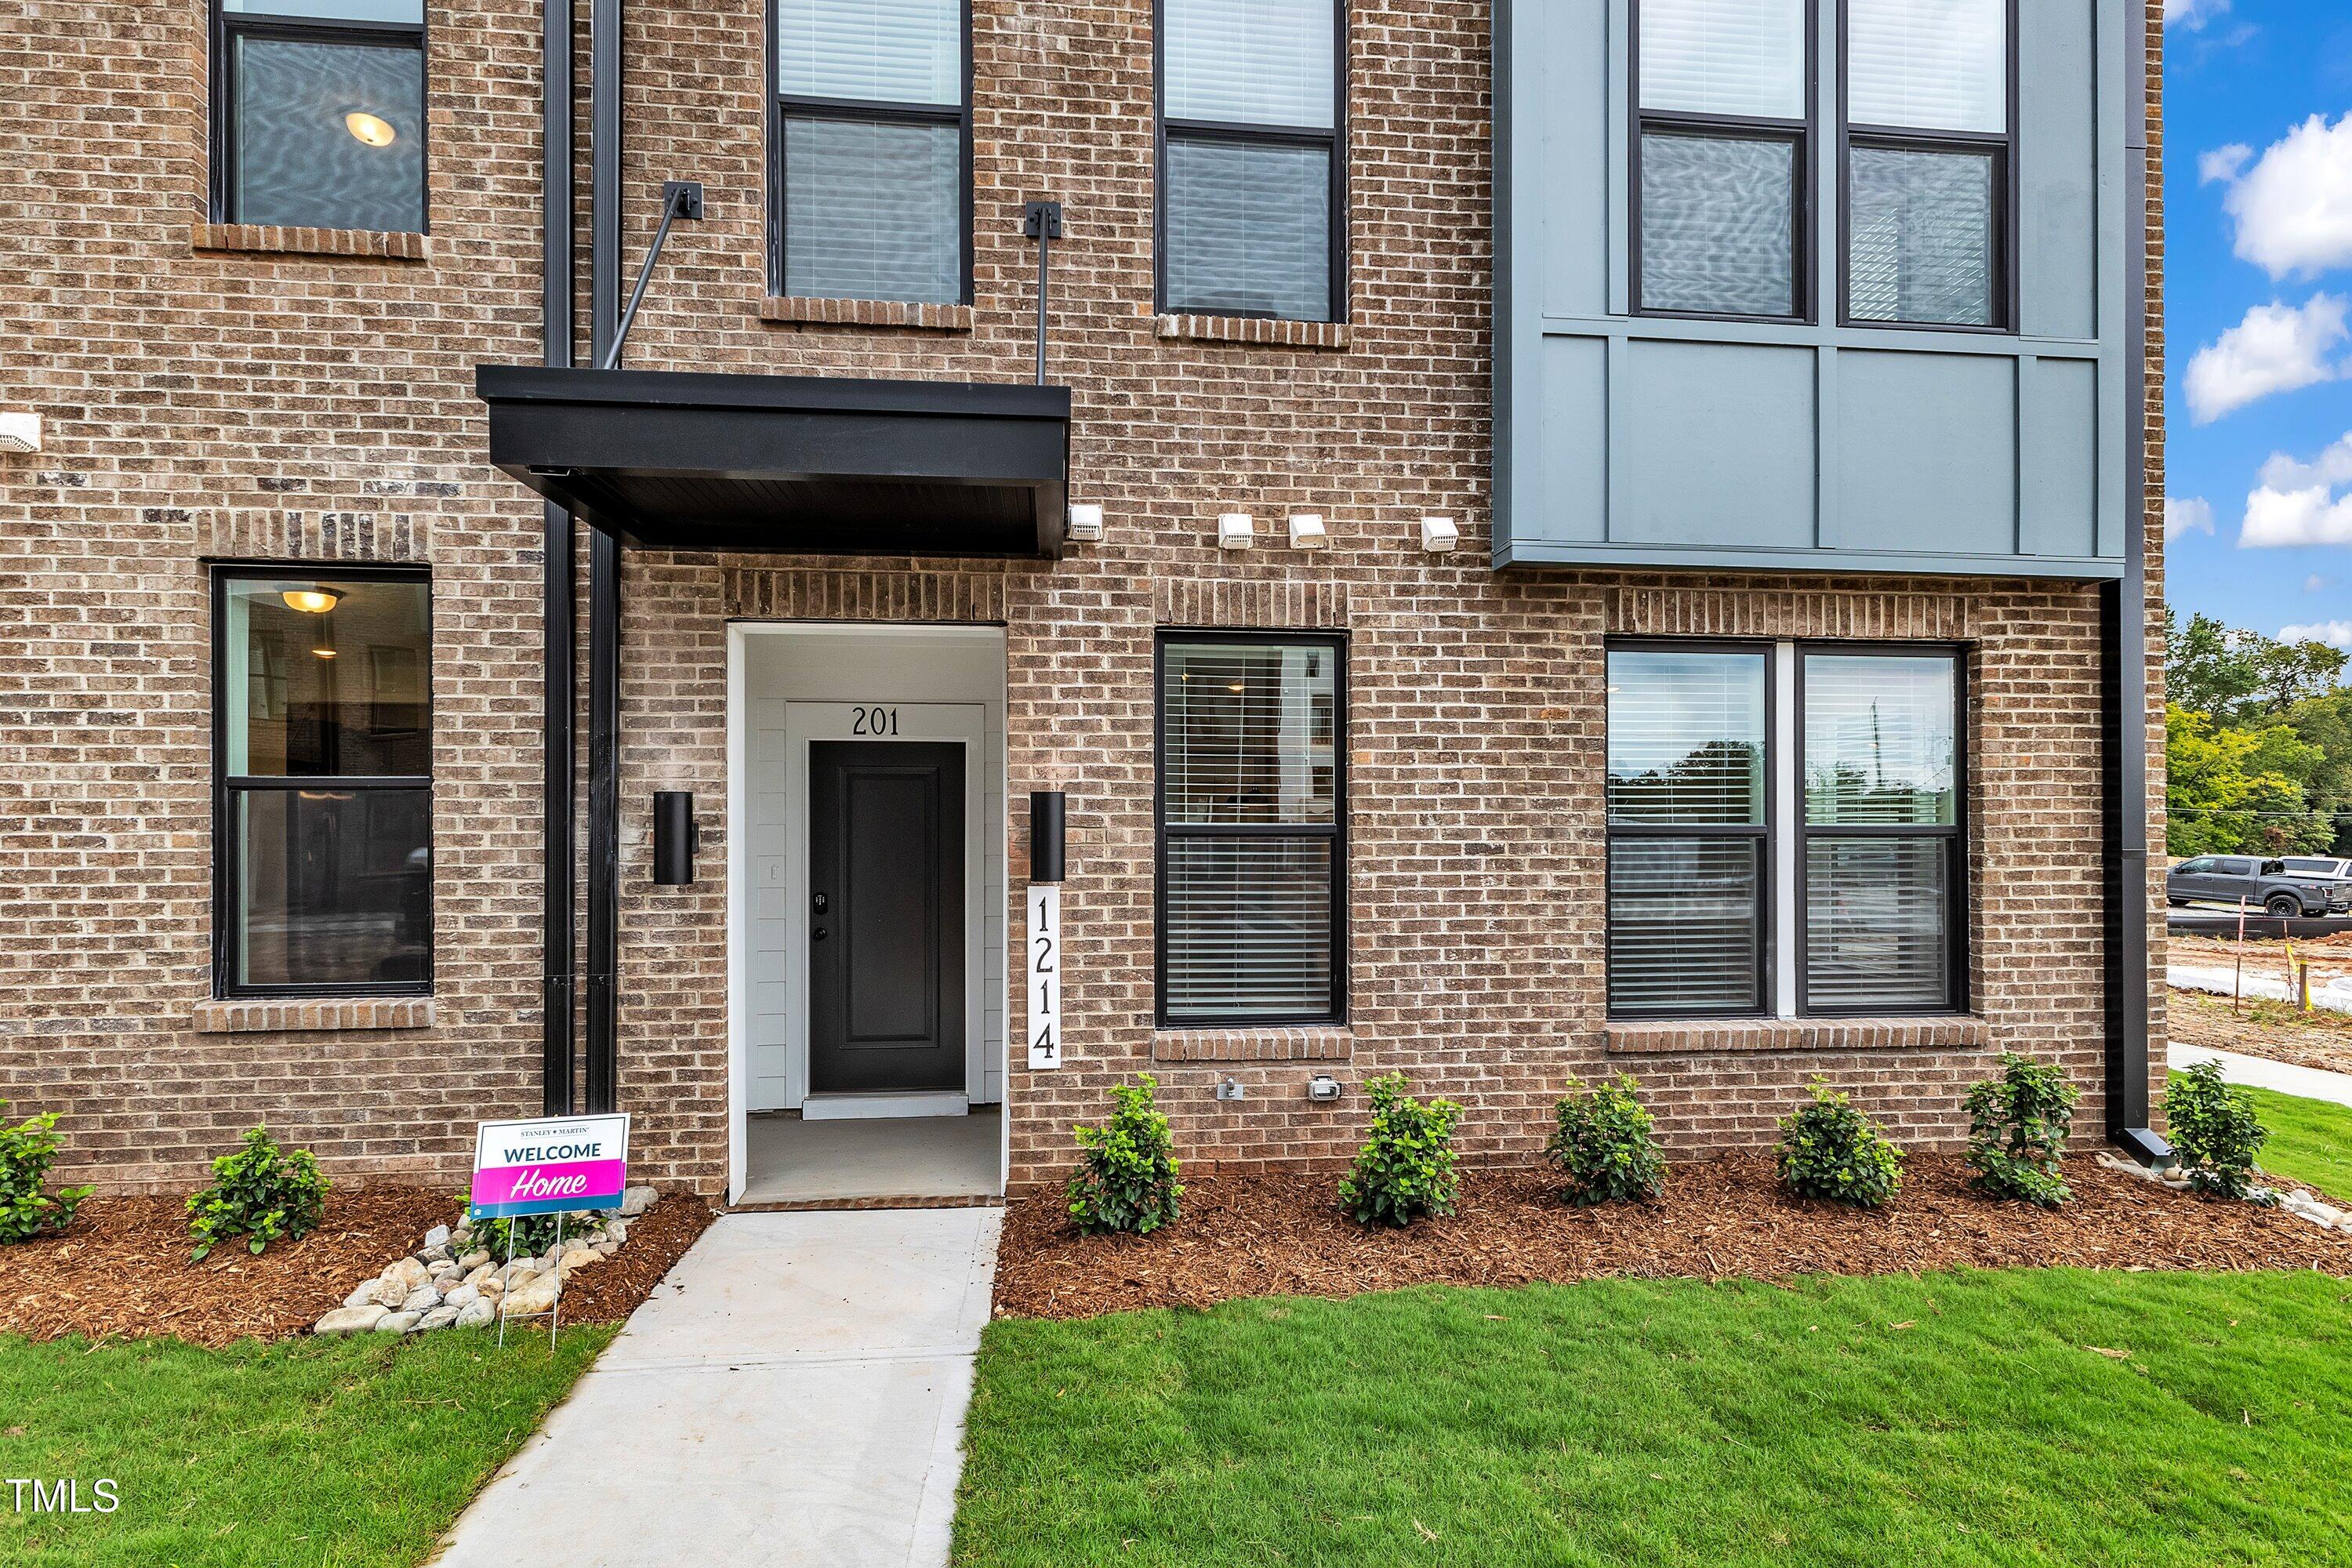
[2058,138]
[1573,172]
[1717,443]
[1926,453]
[1573,464]
[2059,487]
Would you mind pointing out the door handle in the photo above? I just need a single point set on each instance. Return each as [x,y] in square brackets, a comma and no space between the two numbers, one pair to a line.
[819,934]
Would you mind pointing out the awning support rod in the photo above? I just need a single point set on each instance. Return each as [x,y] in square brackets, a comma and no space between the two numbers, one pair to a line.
[1042,221]
[680,199]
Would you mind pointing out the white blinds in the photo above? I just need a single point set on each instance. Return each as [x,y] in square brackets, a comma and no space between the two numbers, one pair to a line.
[1724,57]
[409,11]
[1685,737]
[882,51]
[1251,62]
[873,211]
[1248,928]
[1685,916]
[1879,740]
[1876,913]
[1249,733]
[1249,230]
[1929,65]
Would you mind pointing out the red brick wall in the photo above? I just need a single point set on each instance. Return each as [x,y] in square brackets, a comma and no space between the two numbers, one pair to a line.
[209,403]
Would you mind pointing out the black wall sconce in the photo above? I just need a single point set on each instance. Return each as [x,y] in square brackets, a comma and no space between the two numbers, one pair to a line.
[676,838]
[1046,834]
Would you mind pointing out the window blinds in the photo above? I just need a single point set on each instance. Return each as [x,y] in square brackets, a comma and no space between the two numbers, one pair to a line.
[1251,62]
[1724,57]
[1927,65]
[882,51]
[1879,740]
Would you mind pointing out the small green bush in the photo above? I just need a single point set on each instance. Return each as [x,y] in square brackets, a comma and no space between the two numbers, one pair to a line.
[2216,1129]
[1829,1150]
[27,1151]
[532,1234]
[1606,1144]
[1406,1171]
[259,1193]
[1126,1170]
[2017,1131]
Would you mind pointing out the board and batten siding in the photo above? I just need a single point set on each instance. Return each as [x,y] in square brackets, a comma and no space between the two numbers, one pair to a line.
[1628,440]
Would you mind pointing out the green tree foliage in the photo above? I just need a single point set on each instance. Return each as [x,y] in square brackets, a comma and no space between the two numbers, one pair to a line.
[2242,677]
[2259,747]
[2229,791]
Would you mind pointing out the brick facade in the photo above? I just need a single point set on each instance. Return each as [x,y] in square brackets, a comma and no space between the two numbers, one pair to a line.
[223,393]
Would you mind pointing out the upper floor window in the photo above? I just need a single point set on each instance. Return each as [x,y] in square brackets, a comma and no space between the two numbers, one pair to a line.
[1721,157]
[1253,170]
[322,765]
[1927,120]
[870,158]
[318,113]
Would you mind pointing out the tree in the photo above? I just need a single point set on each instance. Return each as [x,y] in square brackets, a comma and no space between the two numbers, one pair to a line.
[2325,722]
[2232,791]
[2239,677]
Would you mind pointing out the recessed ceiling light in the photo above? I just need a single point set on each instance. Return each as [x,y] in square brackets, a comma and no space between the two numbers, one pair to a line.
[368,128]
[311,601]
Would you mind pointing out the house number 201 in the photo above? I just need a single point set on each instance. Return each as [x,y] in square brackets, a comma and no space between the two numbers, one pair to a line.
[874,722]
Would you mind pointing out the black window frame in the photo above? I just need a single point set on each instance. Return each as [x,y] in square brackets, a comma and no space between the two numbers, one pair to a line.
[226,787]
[2003,150]
[227,27]
[1237,135]
[781,108]
[1800,135]
[1770,937]
[1164,832]
[1765,835]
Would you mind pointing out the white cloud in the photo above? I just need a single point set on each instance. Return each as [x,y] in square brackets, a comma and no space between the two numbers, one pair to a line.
[2331,467]
[2294,207]
[2193,13]
[2302,502]
[2335,634]
[2277,348]
[2183,514]
[2223,163]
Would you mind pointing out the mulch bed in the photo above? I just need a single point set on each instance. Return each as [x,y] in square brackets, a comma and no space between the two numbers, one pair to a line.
[1269,1236]
[2270,1029]
[122,1271]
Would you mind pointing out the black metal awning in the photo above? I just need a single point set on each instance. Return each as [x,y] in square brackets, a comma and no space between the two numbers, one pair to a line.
[789,464]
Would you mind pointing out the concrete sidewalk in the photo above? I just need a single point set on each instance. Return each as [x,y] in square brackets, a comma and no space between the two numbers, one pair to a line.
[794,1393]
[2260,1072]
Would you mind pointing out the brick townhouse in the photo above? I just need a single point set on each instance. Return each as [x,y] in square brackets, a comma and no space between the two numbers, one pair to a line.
[865,570]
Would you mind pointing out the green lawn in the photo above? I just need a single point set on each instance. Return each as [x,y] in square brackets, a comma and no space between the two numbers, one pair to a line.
[299,1455]
[2057,1417]
[2311,1141]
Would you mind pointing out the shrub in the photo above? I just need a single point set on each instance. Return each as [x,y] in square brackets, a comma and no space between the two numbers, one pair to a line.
[2216,1130]
[531,1233]
[259,1193]
[27,1151]
[1126,1170]
[2017,1131]
[1406,1171]
[1608,1144]
[1829,1150]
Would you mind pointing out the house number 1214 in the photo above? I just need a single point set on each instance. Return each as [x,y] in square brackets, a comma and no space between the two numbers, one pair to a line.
[1042,961]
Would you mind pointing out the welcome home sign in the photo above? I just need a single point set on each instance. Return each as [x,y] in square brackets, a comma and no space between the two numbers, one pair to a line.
[562,1162]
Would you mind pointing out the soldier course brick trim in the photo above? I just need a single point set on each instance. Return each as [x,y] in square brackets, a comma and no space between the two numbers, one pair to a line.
[868,313]
[291,1017]
[1798,1035]
[1256,329]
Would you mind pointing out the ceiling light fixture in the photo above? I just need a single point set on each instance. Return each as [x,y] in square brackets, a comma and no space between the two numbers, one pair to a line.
[323,652]
[370,129]
[311,601]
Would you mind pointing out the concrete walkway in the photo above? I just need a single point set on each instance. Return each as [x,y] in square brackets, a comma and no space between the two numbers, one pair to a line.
[792,1393]
[2259,1072]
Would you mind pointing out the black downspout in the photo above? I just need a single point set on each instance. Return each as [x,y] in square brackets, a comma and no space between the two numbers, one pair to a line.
[559,743]
[603,579]
[2124,616]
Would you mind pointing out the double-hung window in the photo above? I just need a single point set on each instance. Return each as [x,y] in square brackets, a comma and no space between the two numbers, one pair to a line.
[870,151]
[1928,155]
[1784,830]
[1252,809]
[318,113]
[1253,167]
[322,783]
[1721,157]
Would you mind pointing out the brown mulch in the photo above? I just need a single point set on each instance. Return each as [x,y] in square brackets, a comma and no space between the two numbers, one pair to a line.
[1267,1235]
[2259,1027]
[123,1270]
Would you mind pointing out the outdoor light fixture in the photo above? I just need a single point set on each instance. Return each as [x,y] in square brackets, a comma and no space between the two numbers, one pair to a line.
[311,601]
[20,432]
[1438,535]
[1236,530]
[368,128]
[1086,522]
[676,836]
[1306,532]
[322,653]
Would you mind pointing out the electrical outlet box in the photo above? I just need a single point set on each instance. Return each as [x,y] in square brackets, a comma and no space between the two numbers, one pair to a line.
[1323,1086]
[1231,1088]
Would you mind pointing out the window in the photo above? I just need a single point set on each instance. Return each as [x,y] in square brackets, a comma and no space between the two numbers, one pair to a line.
[1253,172]
[1720,180]
[870,158]
[318,113]
[323,791]
[1928,160]
[1713,909]
[1252,908]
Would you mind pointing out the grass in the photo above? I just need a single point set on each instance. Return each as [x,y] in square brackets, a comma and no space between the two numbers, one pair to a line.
[305,1454]
[2311,1141]
[2058,1417]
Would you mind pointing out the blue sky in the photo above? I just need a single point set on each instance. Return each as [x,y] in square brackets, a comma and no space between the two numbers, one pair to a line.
[2258,196]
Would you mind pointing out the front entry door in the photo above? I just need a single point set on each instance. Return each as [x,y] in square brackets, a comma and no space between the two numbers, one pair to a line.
[886,918]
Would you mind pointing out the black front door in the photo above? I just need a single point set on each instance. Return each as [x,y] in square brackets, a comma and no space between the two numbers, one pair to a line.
[886,916]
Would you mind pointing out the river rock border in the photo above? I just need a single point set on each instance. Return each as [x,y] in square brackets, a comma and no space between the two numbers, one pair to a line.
[448,1282]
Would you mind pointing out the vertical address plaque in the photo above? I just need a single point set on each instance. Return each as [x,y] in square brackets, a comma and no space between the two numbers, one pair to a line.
[1045,967]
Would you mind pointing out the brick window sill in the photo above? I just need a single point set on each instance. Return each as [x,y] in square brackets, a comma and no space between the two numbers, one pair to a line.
[269,239]
[296,1016]
[1252,329]
[1720,1037]
[1324,1042]
[868,313]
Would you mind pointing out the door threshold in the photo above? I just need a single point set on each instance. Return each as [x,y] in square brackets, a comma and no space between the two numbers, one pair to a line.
[871,1106]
